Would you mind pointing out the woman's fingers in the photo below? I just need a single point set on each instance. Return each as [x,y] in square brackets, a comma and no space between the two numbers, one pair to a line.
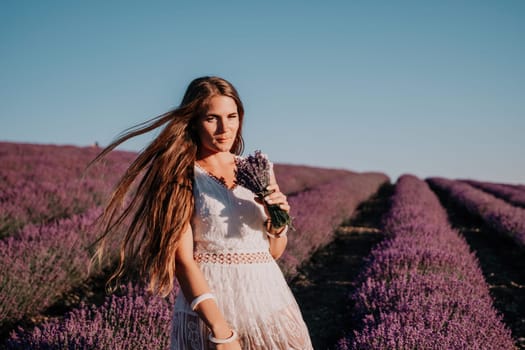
[273,187]
[275,198]
[278,198]
[285,207]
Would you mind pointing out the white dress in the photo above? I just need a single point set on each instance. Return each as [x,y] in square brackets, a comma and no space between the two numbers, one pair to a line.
[232,250]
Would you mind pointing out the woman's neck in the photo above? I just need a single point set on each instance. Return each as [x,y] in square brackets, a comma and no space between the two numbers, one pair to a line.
[220,166]
[215,160]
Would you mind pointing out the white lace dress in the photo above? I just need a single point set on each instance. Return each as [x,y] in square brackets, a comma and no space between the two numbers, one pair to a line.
[232,251]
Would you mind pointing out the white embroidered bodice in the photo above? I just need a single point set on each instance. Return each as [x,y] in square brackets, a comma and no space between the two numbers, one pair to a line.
[226,220]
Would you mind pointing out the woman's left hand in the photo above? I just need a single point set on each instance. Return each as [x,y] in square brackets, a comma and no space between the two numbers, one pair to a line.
[276,197]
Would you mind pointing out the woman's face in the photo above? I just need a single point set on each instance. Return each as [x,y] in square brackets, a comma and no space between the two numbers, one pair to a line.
[217,128]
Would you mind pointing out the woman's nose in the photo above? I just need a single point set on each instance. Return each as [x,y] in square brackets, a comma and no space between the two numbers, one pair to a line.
[221,126]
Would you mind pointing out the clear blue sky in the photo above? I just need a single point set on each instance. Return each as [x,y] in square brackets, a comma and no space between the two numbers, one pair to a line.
[431,88]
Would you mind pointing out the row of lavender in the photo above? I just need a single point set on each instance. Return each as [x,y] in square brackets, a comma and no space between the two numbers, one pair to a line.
[42,183]
[42,262]
[502,216]
[297,178]
[422,288]
[130,319]
[514,194]
[319,211]
[124,320]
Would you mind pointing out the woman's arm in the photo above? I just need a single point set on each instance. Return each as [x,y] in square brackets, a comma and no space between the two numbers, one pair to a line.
[193,284]
[277,245]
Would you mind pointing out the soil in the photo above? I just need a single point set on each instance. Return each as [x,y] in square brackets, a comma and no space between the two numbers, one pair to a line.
[324,283]
[502,262]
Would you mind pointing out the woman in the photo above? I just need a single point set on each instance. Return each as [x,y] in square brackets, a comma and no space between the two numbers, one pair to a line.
[191,221]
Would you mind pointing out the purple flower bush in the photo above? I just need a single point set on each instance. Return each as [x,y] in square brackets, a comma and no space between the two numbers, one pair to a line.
[52,163]
[421,287]
[133,319]
[29,202]
[503,217]
[42,262]
[46,213]
[41,183]
[319,211]
[511,194]
[519,187]
[293,179]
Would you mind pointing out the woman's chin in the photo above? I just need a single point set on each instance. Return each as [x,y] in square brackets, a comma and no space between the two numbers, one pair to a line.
[224,147]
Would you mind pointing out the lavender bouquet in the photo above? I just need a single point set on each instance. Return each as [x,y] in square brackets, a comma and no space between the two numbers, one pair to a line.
[253,172]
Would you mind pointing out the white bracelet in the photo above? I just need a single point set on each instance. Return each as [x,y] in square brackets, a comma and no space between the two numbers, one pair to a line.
[230,339]
[200,299]
[279,235]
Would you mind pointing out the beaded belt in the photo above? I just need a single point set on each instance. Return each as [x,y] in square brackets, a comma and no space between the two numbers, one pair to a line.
[233,258]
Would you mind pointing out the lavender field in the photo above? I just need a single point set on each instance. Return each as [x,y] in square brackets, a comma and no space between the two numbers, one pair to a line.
[417,264]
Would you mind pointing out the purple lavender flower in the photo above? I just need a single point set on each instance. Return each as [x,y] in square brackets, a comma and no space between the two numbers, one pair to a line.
[253,172]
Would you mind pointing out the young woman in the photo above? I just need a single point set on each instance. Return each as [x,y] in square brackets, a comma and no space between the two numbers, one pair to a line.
[190,221]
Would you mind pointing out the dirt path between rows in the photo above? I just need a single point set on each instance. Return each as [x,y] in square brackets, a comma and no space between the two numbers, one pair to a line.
[323,284]
[502,262]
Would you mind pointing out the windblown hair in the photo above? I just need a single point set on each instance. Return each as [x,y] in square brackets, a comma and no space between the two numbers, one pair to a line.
[161,205]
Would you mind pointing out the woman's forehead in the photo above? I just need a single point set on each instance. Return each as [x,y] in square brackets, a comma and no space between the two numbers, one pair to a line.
[221,105]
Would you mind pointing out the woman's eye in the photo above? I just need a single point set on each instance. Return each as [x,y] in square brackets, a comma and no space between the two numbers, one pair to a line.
[210,119]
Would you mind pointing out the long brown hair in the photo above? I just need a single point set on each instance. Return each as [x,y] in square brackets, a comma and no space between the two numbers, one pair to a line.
[161,206]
